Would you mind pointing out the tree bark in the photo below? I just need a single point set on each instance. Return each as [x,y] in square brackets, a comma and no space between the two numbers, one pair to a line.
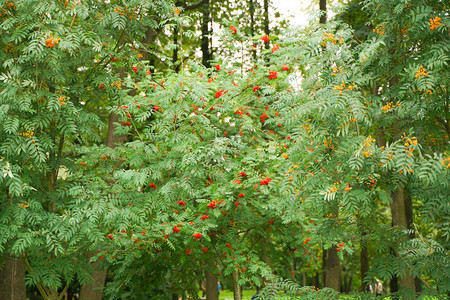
[111,138]
[150,37]
[333,270]
[236,288]
[206,54]
[12,279]
[364,266]
[323,11]
[252,17]
[324,268]
[212,292]
[401,210]
[266,21]
[94,290]
[175,50]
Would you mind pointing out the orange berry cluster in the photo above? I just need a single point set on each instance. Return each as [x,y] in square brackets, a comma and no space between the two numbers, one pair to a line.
[330,37]
[379,30]
[118,84]
[341,87]
[24,205]
[127,11]
[28,134]
[435,23]
[446,161]
[62,100]
[421,72]
[368,144]
[51,42]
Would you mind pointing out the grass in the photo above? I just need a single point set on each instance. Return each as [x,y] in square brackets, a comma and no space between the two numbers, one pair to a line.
[247,295]
[227,294]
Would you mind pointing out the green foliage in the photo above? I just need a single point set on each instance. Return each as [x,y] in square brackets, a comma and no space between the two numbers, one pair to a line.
[257,166]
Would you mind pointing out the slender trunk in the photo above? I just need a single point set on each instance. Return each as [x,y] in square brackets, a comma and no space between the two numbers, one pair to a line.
[316,280]
[331,262]
[212,292]
[94,290]
[323,11]
[205,35]
[393,283]
[175,50]
[333,270]
[252,24]
[12,279]
[236,288]
[252,17]
[364,266]
[150,37]
[266,21]
[112,139]
[401,211]
[324,268]
[402,216]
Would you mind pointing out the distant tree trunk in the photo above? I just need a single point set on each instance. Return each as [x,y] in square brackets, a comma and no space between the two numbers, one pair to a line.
[324,269]
[175,50]
[206,51]
[236,288]
[401,210]
[94,290]
[316,280]
[323,11]
[12,279]
[364,266]
[149,39]
[212,292]
[393,284]
[331,263]
[266,21]
[111,138]
[333,270]
[252,17]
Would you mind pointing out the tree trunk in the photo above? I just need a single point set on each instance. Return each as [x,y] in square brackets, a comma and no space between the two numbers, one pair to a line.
[12,279]
[401,210]
[111,138]
[212,292]
[324,269]
[266,21]
[332,270]
[206,54]
[236,288]
[364,266]
[316,280]
[252,17]
[175,50]
[393,283]
[149,39]
[323,11]
[94,290]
